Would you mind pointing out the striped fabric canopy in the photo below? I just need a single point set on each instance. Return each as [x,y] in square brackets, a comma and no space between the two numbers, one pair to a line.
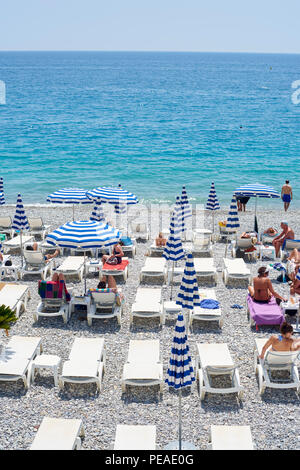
[98,214]
[180,372]
[84,234]
[186,208]
[1,248]
[212,201]
[188,295]
[20,221]
[179,225]
[117,195]
[2,199]
[256,190]
[69,196]
[173,250]
[232,219]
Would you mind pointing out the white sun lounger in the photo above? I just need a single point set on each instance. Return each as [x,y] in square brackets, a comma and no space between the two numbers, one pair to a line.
[204,268]
[58,434]
[289,246]
[139,230]
[116,272]
[6,226]
[15,296]
[103,305]
[242,244]
[231,438]
[201,246]
[72,266]
[206,314]
[147,304]
[135,437]
[130,249]
[15,242]
[215,359]
[154,268]
[86,363]
[37,227]
[275,361]
[35,263]
[143,367]
[155,250]
[9,271]
[15,361]
[235,269]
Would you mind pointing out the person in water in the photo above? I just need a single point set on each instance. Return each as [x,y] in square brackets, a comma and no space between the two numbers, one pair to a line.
[286,194]
[281,342]
[262,289]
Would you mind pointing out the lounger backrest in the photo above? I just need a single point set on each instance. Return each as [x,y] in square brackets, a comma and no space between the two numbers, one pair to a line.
[139,227]
[201,241]
[244,243]
[291,244]
[143,351]
[276,359]
[34,257]
[49,290]
[5,222]
[35,223]
[104,299]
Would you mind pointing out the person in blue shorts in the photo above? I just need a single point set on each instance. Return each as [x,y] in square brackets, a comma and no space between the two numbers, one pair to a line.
[286,194]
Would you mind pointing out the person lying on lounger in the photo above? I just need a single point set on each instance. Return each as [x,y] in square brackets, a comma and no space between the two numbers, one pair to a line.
[262,289]
[282,342]
[270,231]
[34,247]
[295,287]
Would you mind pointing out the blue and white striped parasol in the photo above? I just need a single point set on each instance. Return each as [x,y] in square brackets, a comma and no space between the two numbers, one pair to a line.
[212,201]
[188,295]
[116,196]
[232,222]
[186,207]
[179,227]
[20,222]
[2,199]
[173,250]
[257,190]
[180,373]
[98,214]
[69,196]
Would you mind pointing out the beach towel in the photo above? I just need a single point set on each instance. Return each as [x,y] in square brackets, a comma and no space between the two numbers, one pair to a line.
[127,241]
[53,290]
[115,267]
[284,242]
[265,314]
[119,295]
[209,303]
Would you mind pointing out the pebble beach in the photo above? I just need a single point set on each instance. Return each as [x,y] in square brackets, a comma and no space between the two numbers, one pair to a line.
[273,417]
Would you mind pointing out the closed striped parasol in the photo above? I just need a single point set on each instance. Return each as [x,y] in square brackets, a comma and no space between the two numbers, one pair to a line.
[186,207]
[232,222]
[20,221]
[173,250]
[188,295]
[212,203]
[2,199]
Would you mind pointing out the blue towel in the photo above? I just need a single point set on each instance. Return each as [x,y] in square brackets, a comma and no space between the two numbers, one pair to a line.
[209,303]
[236,306]
[126,240]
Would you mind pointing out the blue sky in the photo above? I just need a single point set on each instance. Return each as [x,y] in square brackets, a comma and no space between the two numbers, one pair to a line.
[154,25]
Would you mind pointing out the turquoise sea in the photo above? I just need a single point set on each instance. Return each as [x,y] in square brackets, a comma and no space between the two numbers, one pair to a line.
[150,121]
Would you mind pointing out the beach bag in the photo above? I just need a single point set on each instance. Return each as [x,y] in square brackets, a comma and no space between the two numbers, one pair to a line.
[283,277]
[112,261]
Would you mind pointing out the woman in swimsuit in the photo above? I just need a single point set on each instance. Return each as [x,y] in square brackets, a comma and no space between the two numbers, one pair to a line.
[117,254]
[262,289]
[282,342]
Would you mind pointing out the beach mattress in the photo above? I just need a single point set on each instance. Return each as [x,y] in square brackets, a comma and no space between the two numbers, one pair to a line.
[265,314]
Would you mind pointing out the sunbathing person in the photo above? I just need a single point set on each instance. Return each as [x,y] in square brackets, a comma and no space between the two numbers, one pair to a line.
[116,256]
[262,289]
[282,342]
[295,287]
[160,240]
[270,231]
[286,234]
[107,282]
[34,247]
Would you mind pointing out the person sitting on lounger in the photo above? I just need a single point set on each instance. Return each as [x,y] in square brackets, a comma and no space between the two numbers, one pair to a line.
[295,286]
[107,282]
[116,256]
[282,342]
[57,277]
[262,289]
[34,247]
[286,234]
[160,240]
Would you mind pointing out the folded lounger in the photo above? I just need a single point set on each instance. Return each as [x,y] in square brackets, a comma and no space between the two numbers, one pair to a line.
[273,362]
[15,242]
[143,367]
[103,305]
[15,296]
[205,267]
[264,314]
[6,226]
[116,269]
[231,438]
[72,266]
[86,363]
[235,269]
[37,227]
[53,301]
[58,434]
[139,230]
[35,263]
[147,304]
[15,361]
[154,268]
[206,314]
[135,437]
[215,359]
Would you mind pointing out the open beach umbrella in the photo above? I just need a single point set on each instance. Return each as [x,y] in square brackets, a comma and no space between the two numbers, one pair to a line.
[212,203]
[20,221]
[186,207]
[98,214]
[173,250]
[2,199]
[180,374]
[69,196]
[188,295]
[84,235]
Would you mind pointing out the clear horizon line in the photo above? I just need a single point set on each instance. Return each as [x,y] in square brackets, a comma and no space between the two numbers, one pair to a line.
[147,51]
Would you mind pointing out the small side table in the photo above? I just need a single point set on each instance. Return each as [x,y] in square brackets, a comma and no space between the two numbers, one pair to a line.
[93,266]
[46,361]
[170,307]
[266,251]
[79,300]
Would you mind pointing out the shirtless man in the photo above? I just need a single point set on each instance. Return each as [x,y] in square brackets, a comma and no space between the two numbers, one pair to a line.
[286,234]
[262,289]
[286,194]
[160,240]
